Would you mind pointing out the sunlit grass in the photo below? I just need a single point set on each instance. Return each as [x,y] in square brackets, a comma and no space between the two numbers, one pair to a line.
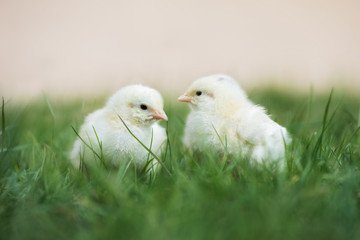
[317,196]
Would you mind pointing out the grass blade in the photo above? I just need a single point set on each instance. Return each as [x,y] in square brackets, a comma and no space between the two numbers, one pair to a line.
[3,122]
[318,145]
[168,145]
[148,159]
[217,134]
[49,106]
[102,162]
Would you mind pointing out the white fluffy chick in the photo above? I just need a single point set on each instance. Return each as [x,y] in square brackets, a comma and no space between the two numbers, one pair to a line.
[222,117]
[139,106]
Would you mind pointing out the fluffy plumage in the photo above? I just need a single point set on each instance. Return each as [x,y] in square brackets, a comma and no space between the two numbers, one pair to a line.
[139,106]
[223,115]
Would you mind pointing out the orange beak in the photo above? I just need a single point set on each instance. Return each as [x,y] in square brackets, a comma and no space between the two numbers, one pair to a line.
[159,116]
[185,98]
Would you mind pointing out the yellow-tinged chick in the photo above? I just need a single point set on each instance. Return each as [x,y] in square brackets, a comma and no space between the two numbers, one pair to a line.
[139,106]
[222,117]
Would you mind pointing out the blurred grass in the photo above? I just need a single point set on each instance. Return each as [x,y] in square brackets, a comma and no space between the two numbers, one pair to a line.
[316,197]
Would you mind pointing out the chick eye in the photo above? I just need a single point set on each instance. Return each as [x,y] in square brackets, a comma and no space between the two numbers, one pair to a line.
[198,93]
[143,106]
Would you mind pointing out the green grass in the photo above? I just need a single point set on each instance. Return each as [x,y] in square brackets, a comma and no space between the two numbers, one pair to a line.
[316,197]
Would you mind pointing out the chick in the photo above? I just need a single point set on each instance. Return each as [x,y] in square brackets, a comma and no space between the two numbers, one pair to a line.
[222,117]
[139,107]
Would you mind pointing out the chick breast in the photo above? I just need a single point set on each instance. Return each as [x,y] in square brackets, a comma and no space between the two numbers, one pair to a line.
[117,142]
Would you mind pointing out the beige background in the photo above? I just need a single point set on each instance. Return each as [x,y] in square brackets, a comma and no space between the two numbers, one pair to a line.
[81,47]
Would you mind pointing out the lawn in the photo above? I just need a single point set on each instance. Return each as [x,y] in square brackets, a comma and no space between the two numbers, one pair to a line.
[317,196]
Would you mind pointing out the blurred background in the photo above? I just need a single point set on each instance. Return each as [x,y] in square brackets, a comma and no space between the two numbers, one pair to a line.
[87,47]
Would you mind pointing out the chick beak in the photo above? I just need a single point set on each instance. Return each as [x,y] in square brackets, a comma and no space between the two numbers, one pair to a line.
[160,115]
[185,98]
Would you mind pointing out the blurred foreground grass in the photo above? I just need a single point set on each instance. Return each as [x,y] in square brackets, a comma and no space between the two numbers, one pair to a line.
[316,197]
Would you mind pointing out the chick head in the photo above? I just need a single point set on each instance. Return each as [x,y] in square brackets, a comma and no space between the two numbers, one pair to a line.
[214,93]
[138,104]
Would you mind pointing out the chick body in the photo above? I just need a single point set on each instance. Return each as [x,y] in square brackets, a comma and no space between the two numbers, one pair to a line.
[116,141]
[222,117]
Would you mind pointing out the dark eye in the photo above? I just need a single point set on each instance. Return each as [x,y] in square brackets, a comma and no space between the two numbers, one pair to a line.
[143,106]
[198,93]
